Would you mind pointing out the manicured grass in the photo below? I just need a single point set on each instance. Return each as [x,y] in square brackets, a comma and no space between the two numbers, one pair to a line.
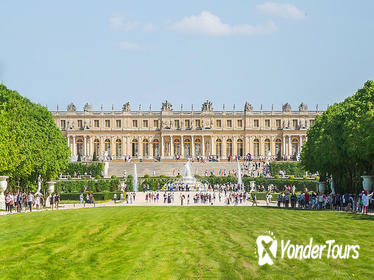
[176,243]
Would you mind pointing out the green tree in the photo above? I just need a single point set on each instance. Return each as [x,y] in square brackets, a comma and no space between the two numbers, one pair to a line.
[30,142]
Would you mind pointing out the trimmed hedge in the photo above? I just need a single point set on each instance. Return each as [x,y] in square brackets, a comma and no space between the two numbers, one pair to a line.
[97,196]
[78,186]
[291,168]
[300,184]
[94,169]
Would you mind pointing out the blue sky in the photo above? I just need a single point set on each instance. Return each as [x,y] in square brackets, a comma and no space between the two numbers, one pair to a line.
[111,52]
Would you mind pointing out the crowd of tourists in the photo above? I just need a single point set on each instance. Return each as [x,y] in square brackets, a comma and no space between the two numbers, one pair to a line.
[23,201]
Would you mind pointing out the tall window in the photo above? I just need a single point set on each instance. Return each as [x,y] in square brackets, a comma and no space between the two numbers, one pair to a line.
[267,147]
[294,123]
[187,148]
[97,147]
[63,124]
[295,147]
[134,147]
[256,147]
[218,124]
[134,123]
[240,147]
[145,123]
[267,123]
[145,148]
[155,123]
[187,123]
[96,123]
[229,147]
[156,148]
[118,148]
[80,124]
[107,123]
[176,123]
[198,147]
[177,147]
[278,146]
[256,123]
[118,123]
[107,146]
[229,123]
[219,147]
[240,123]
[80,147]
[197,123]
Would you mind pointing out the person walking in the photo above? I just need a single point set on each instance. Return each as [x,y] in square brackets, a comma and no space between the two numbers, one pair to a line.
[30,200]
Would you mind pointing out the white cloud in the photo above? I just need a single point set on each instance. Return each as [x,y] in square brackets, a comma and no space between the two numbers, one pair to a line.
[283,10]
[118,23]
[207,23]
[129,46]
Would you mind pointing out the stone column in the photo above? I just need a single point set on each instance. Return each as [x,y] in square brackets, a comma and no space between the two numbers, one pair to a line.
[212,146]
[101,145]
[140,147]
[203,145]
[162,146]
[193,146]
[182,147]
[74,146]
[272,145]
[234,146]
[251,145]
[68,138]
[284,146]
[91,147]
[289,145]
[171,146]
[85,145]
[301,143]
[3,187]
[224,152]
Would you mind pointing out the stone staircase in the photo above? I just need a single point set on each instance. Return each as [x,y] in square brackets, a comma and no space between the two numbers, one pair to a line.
[168,168]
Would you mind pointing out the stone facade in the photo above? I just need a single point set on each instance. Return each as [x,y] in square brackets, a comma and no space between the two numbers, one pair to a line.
[169,133]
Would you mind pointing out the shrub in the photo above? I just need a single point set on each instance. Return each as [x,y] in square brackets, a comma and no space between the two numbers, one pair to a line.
[294,168]
[113,177]
[80,168]
[292,177]
[277,176]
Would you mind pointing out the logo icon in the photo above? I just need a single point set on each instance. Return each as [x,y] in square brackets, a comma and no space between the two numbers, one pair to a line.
[266,249]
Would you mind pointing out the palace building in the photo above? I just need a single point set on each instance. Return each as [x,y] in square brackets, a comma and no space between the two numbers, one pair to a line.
[173,134]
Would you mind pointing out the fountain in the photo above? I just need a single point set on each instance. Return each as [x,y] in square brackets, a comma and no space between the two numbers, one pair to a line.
[188,179]
[135,188]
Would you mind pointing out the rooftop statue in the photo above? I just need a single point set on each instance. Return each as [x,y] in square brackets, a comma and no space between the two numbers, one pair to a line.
[207,106]
[248,107]
[126,107]
[286,107]
[303,107]
[166,106]
[71,108]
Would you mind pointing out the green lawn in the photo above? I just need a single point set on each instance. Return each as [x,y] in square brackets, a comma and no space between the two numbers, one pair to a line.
[176,243]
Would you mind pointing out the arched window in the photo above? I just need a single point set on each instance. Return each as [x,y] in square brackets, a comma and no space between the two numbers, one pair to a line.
[198,147]
[135,148]
[156,148]
[79,146]
[187,148]
[107,146]
[229,147]
[177,147]
[145,148]
[256,147]
[278,147]
[295,146]
[267,147]
[97,147]
[219,147]
[118,148]
[240,149]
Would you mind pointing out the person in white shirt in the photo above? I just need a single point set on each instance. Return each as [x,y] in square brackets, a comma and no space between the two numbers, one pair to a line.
[30,200]
[365,201]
